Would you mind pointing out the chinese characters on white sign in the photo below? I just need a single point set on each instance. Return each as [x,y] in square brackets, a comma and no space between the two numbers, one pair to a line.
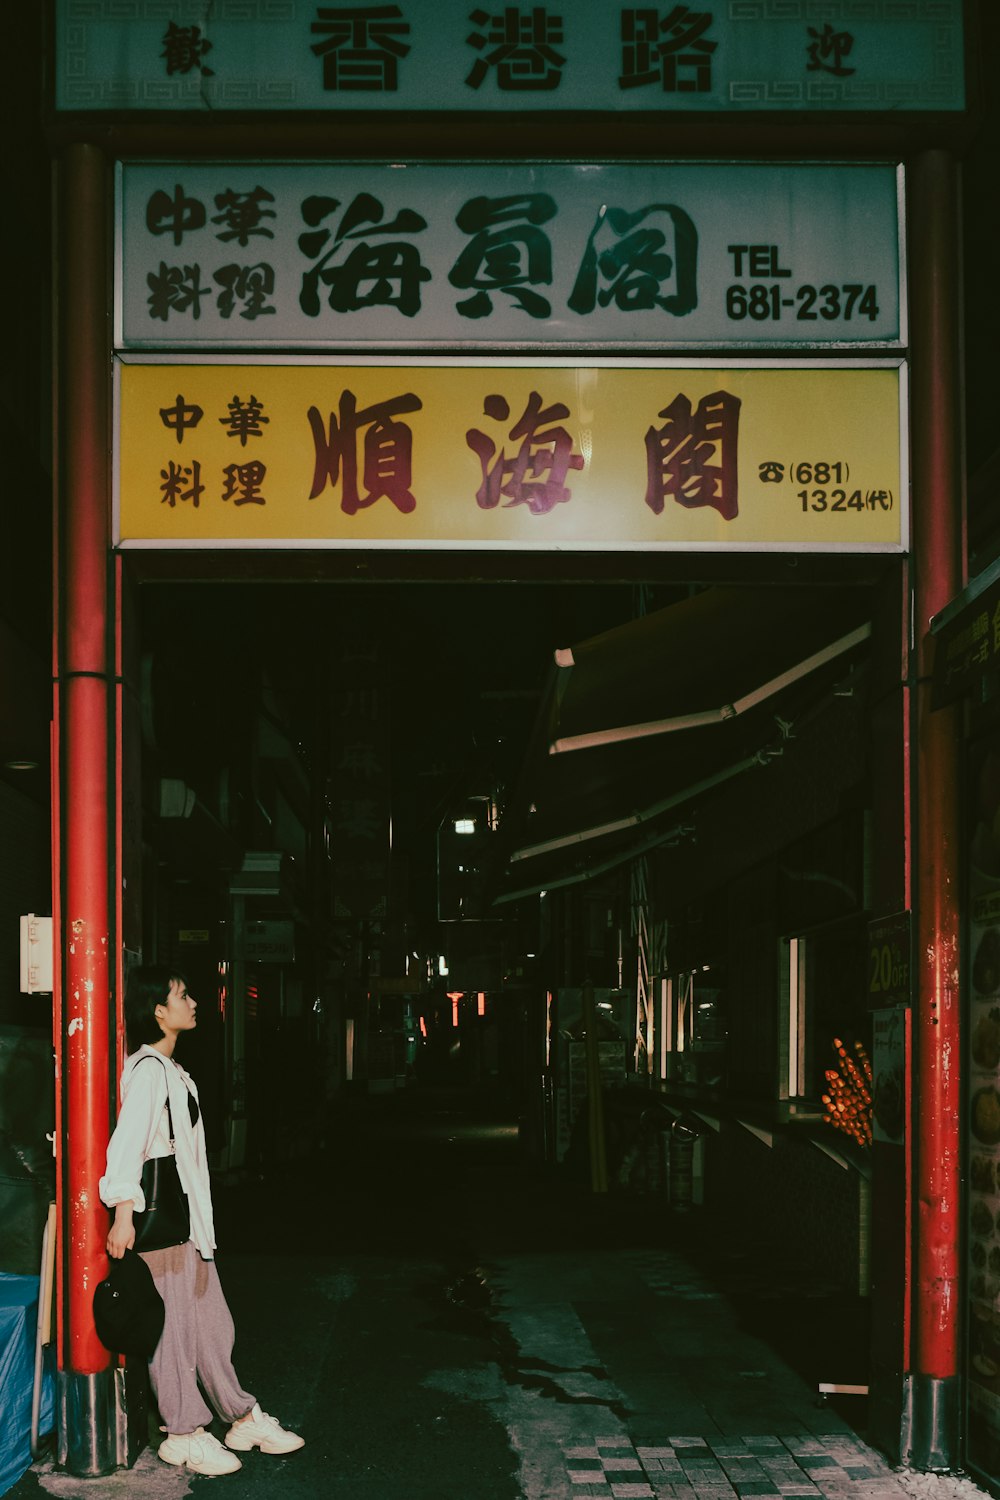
[677,255]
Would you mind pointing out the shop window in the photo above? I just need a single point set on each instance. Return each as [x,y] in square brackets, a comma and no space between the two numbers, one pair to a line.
[690,1030]
[823,999]
[792,1043]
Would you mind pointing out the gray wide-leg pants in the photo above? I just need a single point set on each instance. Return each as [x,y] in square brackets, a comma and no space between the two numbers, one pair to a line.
[197,1344]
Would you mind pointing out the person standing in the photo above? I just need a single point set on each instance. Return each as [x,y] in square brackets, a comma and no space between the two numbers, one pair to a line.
[160,1113]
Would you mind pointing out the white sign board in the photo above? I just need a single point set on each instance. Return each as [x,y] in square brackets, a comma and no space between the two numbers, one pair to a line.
[668,256]
[270,942]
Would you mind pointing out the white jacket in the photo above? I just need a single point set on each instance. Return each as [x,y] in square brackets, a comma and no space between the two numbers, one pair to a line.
[141,1133]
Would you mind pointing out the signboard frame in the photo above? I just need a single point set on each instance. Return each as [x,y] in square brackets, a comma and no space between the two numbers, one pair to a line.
[516,543]
[756,58]
[773,301]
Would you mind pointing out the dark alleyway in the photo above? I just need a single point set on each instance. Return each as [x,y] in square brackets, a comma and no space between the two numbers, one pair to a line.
[442,1322]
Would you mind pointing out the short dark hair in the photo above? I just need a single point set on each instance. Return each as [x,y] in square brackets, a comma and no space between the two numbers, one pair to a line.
[148,986]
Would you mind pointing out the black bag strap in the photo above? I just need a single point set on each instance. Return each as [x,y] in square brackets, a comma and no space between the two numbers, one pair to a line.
[170,1118]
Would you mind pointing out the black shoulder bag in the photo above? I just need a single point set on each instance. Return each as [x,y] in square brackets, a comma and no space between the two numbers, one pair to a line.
[166,1219]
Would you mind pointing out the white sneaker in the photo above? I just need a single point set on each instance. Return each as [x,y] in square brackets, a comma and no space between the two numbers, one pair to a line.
[258,1430]
[198,1451]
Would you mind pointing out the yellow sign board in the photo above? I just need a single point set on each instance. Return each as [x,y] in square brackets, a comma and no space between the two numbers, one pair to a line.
[492,453]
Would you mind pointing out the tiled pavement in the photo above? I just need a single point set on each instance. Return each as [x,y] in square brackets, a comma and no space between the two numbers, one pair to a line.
[834,1465]
[473,1335]
[680,1352]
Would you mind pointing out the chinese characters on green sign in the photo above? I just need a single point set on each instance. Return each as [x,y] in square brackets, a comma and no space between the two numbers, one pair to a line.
[458,55]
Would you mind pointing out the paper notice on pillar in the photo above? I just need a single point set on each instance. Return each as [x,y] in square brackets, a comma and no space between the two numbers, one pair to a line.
[359,790]
[983,1140]
[889,1095]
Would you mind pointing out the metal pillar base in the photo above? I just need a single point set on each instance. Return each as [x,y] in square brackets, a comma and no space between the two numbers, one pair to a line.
[102,1420]
[86,1429]
[935,1429]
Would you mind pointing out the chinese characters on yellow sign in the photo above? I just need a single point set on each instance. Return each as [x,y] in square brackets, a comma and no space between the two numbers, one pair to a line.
[547,456]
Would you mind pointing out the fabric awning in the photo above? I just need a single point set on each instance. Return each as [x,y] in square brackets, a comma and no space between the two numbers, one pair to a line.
[698,663]
[642,721]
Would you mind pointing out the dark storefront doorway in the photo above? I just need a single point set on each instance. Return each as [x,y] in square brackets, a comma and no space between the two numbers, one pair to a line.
[397,1020]
[307,759]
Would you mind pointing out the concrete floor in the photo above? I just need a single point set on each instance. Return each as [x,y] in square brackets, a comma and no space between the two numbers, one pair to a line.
[442,1323]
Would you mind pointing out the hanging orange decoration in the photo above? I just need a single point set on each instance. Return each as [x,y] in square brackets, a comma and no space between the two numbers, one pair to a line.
[848,1102]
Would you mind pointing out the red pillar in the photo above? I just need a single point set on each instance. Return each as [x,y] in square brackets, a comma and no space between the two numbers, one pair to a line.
[83,800]
[938,565]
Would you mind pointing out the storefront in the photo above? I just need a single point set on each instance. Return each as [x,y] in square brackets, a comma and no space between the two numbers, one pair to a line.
[569,359]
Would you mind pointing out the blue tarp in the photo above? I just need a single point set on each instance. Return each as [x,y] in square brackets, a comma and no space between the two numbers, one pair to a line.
[18,1319]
